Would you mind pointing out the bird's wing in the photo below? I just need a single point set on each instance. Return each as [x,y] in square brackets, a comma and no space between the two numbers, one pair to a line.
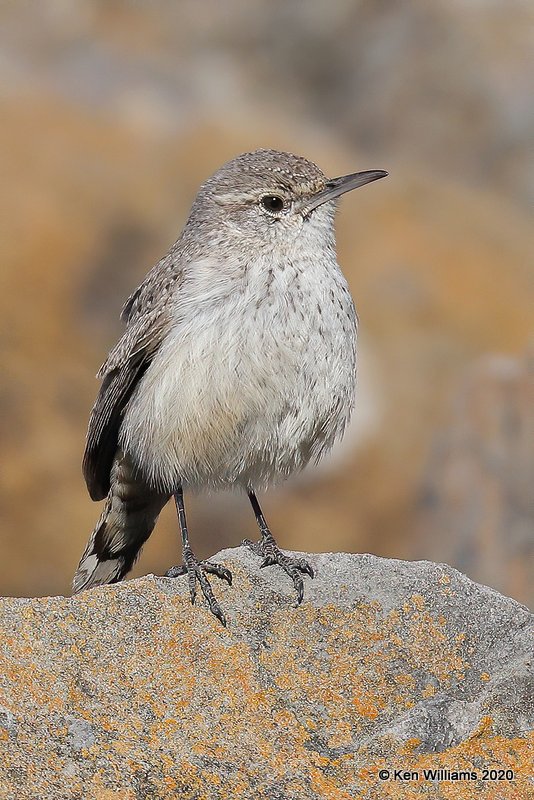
[148,320]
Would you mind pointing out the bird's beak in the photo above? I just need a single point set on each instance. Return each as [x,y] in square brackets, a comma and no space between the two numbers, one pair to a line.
[335,187]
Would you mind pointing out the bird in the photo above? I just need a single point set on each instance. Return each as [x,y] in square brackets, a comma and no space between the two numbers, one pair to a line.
[236,367]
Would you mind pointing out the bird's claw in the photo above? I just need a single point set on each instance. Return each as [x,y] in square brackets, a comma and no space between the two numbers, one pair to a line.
[196,571]
[272,555]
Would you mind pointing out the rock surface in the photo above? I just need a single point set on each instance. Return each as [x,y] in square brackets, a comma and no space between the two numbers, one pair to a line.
[128,692]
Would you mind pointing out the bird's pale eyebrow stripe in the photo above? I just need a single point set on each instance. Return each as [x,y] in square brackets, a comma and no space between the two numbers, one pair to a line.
[231,198]
[252,195]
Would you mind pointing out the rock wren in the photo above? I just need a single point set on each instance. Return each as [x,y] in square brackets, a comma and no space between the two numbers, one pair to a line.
[236,368]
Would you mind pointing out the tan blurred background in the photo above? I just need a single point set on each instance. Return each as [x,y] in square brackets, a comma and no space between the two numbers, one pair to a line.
[112,115]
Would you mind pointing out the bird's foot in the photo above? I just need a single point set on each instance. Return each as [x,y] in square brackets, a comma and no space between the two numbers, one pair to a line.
[196,571]
[271,554]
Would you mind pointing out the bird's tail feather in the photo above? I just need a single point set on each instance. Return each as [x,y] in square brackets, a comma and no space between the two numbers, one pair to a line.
[128,518]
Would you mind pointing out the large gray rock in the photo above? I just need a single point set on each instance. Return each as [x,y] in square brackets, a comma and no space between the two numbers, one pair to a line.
[129,692]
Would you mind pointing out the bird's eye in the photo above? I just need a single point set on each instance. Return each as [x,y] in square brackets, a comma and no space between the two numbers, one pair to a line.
[272,203]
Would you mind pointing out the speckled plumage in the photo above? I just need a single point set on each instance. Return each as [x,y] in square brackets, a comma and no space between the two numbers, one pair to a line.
[237,365]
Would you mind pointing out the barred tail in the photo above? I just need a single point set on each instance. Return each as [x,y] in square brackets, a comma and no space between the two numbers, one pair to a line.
[128,518]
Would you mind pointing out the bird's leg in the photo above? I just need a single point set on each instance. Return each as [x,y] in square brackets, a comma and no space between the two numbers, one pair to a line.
[194,569]
[271,553]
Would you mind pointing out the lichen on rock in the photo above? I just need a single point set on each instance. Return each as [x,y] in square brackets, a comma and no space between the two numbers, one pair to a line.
[127,691]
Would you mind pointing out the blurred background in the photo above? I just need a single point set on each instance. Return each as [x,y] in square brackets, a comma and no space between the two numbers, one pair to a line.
[113,113]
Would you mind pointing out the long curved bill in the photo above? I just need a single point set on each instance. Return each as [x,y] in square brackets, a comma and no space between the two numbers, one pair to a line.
[335,187]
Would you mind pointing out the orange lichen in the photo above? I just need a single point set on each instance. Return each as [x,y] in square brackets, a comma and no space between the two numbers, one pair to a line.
[365,708]
[187,698]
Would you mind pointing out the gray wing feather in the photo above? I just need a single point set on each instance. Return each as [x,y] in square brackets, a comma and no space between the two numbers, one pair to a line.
[148,320]
[104,425]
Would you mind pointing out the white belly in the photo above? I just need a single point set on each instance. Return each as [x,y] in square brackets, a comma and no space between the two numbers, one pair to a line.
[248,390]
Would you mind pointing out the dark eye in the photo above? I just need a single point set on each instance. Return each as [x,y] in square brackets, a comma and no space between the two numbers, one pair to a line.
[272,203]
